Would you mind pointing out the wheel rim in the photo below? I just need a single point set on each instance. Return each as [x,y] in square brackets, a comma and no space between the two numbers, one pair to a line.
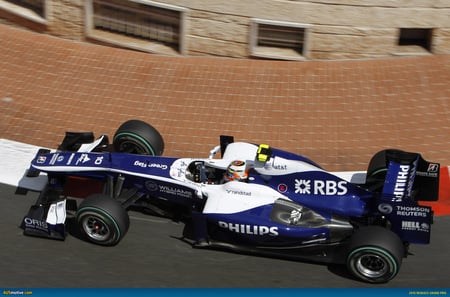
[372,265]
[96,228]
[132,147]
[134,144]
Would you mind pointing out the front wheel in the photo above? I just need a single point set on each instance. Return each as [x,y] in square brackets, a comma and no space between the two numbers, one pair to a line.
[138,137]
[103,220]
[375,254]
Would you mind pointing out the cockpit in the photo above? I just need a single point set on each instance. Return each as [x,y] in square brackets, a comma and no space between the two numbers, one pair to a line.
[201,172]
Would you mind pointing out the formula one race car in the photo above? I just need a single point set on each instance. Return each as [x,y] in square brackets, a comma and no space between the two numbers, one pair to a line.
[254,199]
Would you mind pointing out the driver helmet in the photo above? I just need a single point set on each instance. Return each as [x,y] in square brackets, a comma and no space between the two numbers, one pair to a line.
[236,171]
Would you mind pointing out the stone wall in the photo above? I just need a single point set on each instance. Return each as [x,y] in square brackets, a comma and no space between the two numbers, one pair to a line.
[339,29]
[217,34]
[66,19]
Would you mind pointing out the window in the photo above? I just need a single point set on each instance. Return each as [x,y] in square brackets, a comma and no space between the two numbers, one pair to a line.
[278,40]
[142,25]
[34,10]
[416,37]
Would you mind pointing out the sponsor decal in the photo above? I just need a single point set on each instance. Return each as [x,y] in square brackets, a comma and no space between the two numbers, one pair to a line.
[178,169]
[401,182]
[53,159]
[56,158]
[151,186]
[98,160]
[415,226]
[385,208]
[83,159]
[35,224]
[140,164]
[70,159]
[41,159]
[432,170]
[175,191]
[279,166]
[183,166]
[150,165]
[302,186]
[271,165]
[238,192]
[320,187]
[249,229]
[282,188]
[295,216]
[177,172]
[160,166]
[433,167]
[413,211]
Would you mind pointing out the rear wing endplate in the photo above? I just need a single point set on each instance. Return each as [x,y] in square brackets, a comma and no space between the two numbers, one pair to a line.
[409,176]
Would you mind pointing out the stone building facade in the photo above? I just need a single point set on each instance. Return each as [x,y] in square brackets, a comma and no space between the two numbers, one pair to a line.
[268,29]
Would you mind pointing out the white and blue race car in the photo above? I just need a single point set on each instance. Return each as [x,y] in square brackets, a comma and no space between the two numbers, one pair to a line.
[254,199]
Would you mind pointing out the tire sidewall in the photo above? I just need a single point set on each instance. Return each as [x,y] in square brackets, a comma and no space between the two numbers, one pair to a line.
[357,255]
[109,212]
[114,230]
[378,243]
[141,135]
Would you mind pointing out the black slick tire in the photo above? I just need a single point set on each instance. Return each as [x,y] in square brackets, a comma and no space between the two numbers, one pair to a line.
[375,254]
[138,137]
[103,220]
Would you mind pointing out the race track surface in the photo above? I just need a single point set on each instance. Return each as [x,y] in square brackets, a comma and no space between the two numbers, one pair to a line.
[152,256]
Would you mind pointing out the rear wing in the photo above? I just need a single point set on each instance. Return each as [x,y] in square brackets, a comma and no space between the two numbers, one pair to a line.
[409,176]
[409,179]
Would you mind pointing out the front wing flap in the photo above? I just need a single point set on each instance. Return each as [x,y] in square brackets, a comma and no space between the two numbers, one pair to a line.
[47,217]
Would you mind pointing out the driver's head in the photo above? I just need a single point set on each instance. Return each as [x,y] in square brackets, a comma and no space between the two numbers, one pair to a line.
[236,171]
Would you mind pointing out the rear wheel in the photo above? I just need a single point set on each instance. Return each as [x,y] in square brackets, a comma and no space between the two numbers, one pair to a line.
[103,220]
[377,170]
[375,254]
[138,137]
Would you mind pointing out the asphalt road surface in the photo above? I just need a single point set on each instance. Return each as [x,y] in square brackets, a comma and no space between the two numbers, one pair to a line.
[151,256]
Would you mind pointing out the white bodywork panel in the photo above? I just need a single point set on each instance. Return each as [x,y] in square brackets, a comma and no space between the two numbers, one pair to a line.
[17,157]
[236,196]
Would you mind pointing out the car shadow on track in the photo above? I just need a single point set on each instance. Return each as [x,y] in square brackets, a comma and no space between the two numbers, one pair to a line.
[336,269]
[341,271]
[187,237]
[74,230]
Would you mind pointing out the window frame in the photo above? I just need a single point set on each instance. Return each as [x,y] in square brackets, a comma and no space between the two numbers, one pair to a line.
[136,43]
[278,52]
[27,13]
